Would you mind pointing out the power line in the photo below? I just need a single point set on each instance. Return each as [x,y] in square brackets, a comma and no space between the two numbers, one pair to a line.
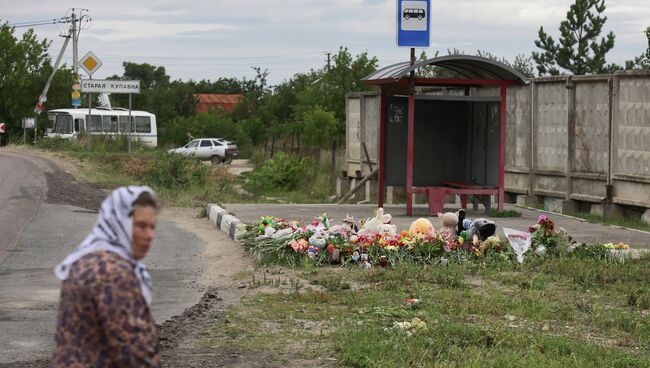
[39,23]
[212,57]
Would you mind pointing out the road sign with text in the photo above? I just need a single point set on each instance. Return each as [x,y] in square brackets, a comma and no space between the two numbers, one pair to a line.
[110,86]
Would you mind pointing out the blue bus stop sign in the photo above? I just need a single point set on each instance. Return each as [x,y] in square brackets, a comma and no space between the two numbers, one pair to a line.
[413,20]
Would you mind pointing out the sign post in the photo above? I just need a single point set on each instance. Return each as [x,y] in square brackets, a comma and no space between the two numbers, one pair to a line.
[3,128]
[129,87]
[90,63]
[413,21]
[28,123]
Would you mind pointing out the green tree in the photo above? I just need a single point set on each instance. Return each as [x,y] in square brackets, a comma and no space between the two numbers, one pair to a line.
[642,62]
[332,83]
[24,69]
[150,76]
[579,50]
[211,124]
[320,127]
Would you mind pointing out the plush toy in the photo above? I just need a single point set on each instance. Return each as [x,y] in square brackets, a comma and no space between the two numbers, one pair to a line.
[348,221]
[373,224]
[388,232]
[345,230]
[421,226]
[449,222]
[312,252]
[365,264]
[319,238]
[355,257]
[481,227]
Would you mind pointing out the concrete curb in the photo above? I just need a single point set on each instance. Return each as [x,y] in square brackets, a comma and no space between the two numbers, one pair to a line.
[225,222]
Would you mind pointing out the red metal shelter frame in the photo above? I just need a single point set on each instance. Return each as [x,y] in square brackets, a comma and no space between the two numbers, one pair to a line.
[436,194]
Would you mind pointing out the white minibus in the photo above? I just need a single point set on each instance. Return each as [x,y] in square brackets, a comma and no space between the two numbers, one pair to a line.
[67,123]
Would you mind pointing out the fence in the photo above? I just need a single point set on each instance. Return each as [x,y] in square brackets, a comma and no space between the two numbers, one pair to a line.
[581,138]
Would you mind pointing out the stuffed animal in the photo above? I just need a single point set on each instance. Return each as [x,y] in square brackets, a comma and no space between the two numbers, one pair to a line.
[364,262]
[421,226]
[388,232]
[449,222]
[374,223]
[355,257]
[344,230]
[319,238]
[481,227]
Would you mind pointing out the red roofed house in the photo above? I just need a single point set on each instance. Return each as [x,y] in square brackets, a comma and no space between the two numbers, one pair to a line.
[211,101]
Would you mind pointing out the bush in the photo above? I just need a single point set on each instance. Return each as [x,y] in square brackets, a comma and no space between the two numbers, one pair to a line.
[174,171]
[100,143]
[280,172]
[57,144]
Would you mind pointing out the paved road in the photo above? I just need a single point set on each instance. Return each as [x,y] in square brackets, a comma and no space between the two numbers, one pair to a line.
[35,235]
[22,187]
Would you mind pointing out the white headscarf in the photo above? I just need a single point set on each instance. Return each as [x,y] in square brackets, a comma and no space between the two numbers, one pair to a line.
[113,232]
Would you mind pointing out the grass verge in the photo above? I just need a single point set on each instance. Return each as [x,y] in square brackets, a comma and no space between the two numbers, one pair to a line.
[631,223]
[556,313]
[187,182]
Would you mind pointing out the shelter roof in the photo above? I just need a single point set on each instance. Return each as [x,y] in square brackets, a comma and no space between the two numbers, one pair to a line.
[470,67]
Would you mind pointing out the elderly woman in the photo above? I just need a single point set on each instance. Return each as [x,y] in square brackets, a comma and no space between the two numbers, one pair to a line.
[104,318]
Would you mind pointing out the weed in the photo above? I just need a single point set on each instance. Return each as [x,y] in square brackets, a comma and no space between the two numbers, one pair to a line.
[503,213]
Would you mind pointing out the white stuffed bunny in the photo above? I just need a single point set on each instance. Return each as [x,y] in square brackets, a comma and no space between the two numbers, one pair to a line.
[374,224]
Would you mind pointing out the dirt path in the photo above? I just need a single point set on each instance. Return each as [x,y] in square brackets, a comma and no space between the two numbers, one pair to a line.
[227,281]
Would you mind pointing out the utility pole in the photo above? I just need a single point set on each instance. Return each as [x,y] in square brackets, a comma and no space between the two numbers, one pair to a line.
[75,39]
[328,61]
[75,49]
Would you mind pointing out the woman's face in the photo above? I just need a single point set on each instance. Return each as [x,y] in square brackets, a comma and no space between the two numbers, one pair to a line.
[144,224]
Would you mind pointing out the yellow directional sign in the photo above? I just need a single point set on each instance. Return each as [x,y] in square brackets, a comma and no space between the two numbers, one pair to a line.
[76,95]
[90,63]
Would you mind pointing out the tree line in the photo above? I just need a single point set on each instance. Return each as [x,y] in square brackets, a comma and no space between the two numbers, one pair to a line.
[308,109]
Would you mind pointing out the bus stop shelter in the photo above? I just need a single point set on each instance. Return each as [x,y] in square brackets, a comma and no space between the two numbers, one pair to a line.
[437,144]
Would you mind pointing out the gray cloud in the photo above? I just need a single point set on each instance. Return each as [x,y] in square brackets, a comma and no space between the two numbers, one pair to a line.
[213,38]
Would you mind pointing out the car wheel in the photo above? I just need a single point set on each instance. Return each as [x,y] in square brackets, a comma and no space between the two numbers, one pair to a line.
[419,17]
[216,160]
[406,17]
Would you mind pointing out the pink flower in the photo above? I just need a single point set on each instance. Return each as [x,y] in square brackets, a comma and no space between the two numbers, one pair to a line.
[299,246]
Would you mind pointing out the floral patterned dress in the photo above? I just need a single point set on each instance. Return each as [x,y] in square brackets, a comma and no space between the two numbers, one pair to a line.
[103,319]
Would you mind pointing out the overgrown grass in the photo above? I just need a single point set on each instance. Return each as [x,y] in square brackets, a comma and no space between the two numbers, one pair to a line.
[503,213]
[294,179]
[557,313]
[188,182]
[633,223]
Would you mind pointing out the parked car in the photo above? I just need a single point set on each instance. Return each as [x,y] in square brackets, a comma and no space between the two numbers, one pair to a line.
[217,150]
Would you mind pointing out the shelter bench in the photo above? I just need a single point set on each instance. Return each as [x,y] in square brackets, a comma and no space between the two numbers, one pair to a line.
[436,195]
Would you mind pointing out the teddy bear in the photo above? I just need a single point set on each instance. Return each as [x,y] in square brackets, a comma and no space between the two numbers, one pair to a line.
[421,226]
[319,238]
[388,232]
[449,222]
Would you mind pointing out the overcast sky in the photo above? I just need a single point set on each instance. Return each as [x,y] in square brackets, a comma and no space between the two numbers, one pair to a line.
[208,39]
